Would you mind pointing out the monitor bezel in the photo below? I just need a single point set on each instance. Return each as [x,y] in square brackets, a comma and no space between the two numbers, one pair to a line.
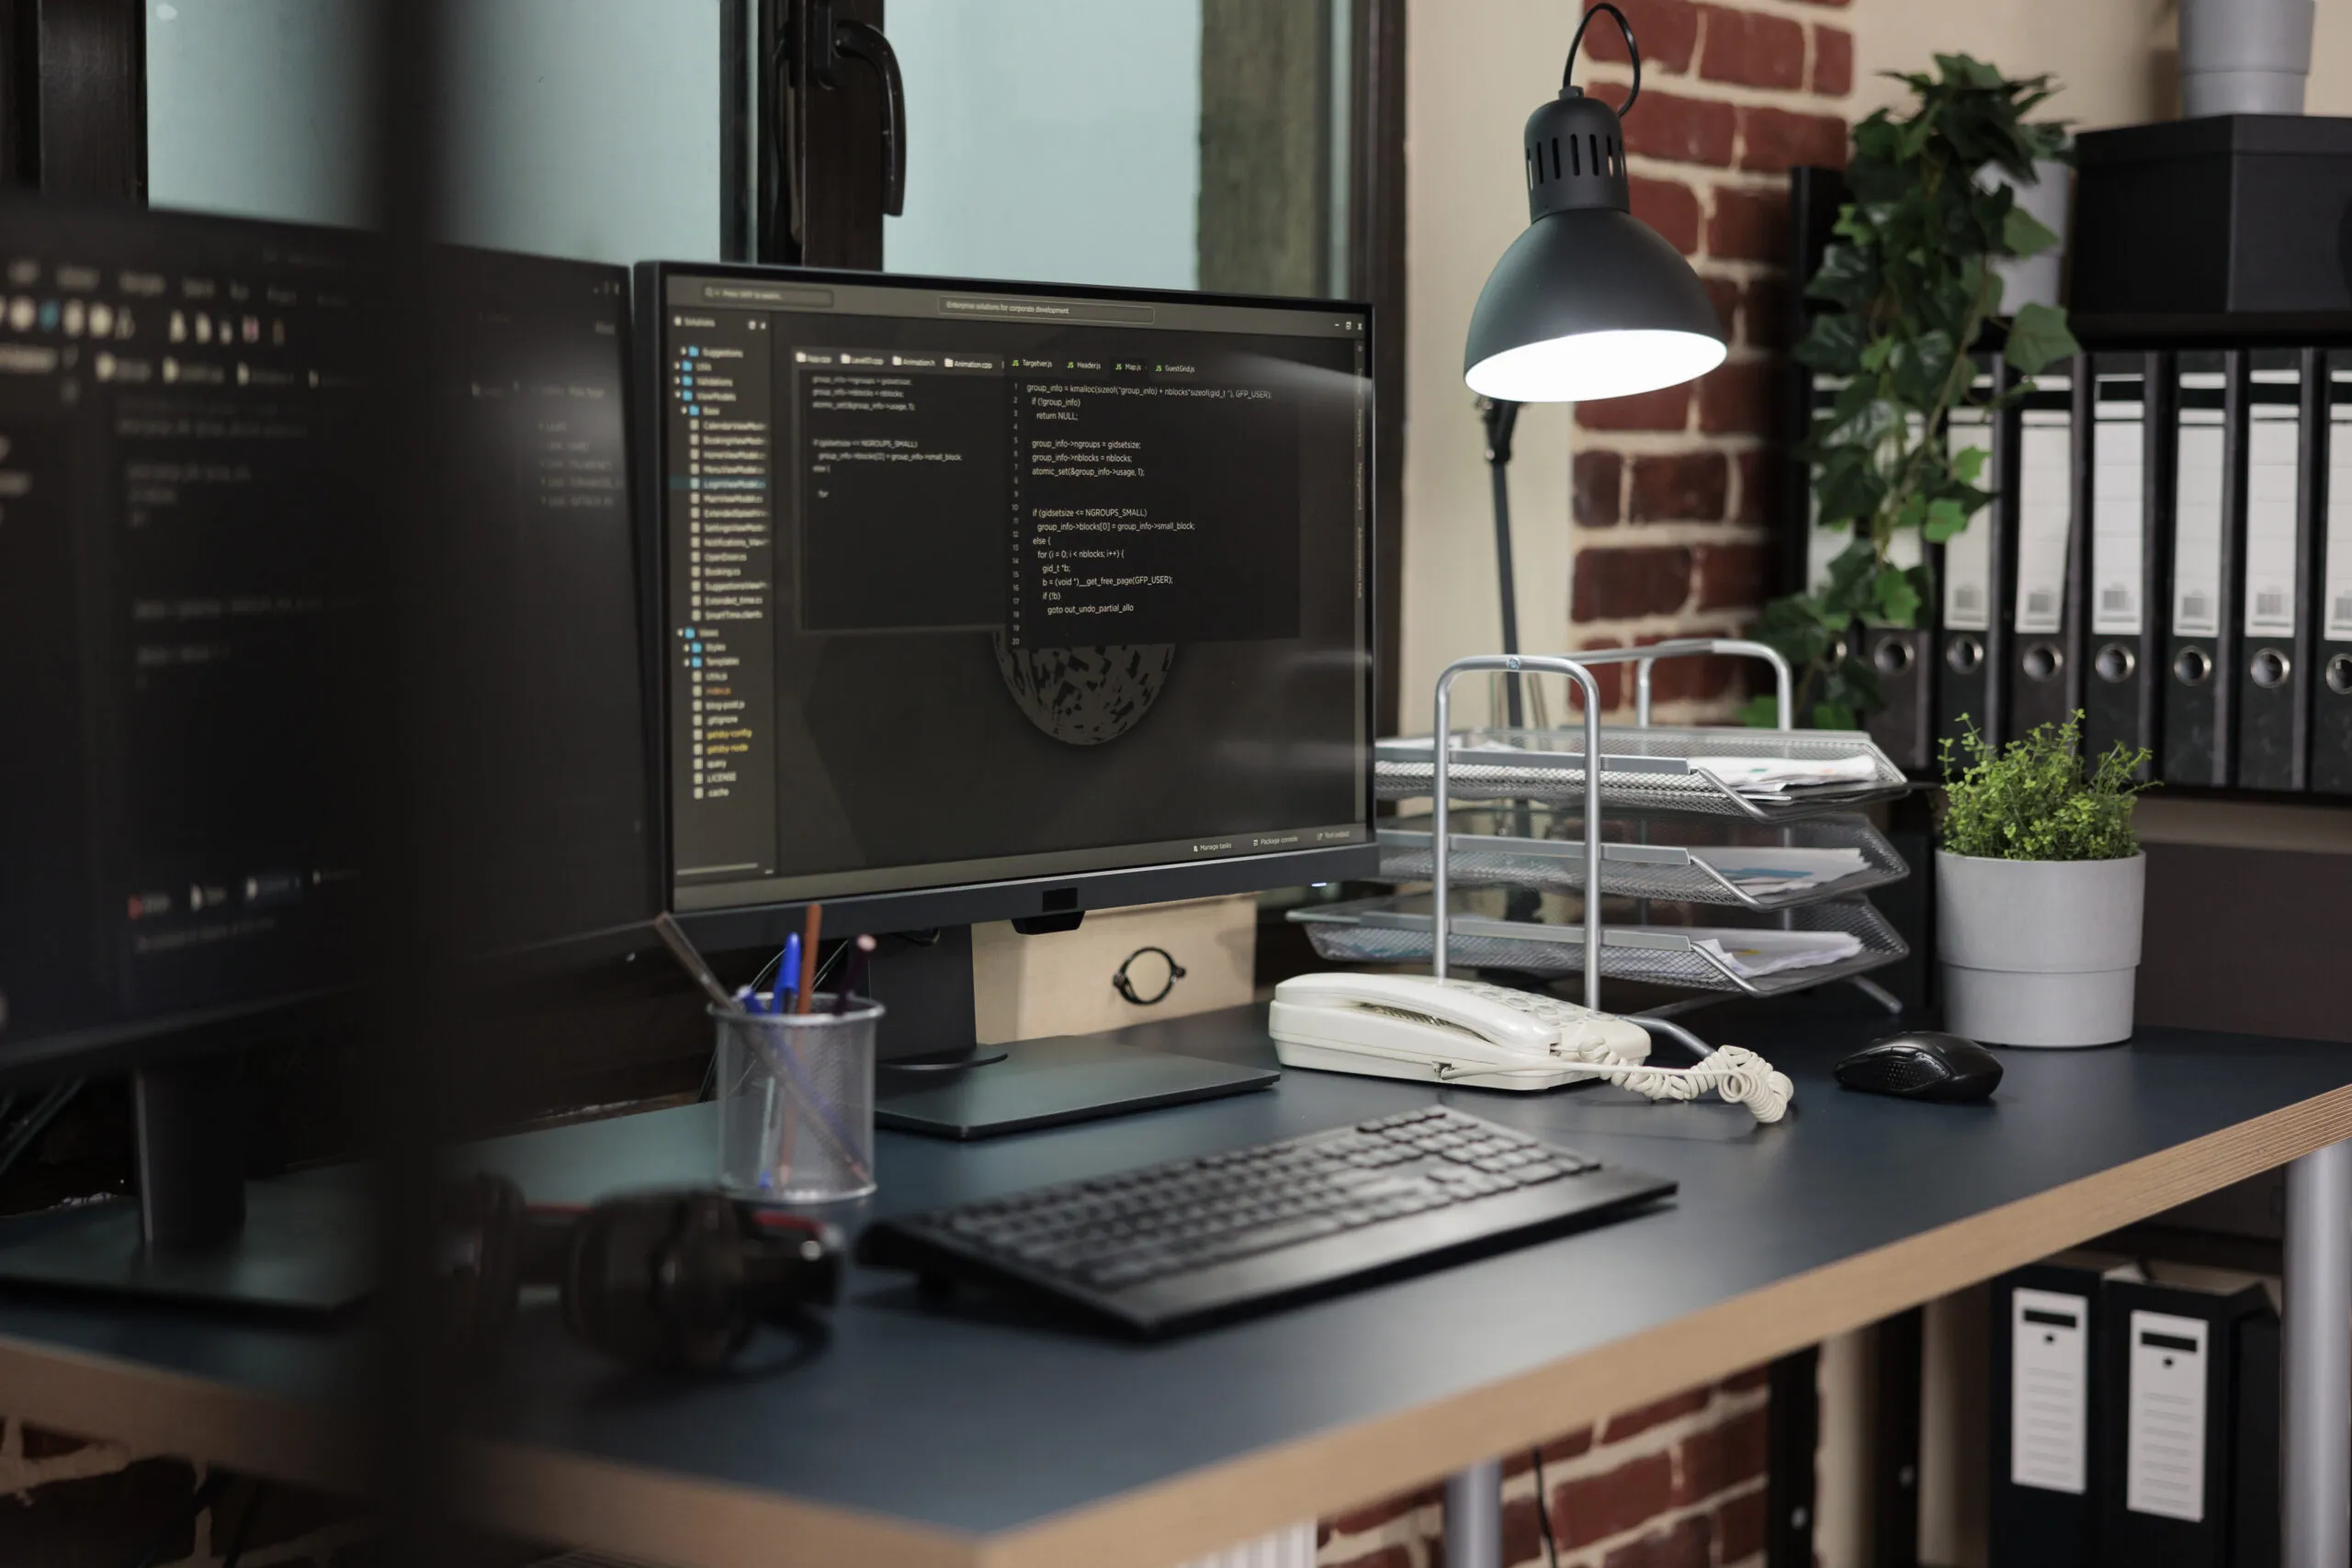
[119,1042]
[1012,898]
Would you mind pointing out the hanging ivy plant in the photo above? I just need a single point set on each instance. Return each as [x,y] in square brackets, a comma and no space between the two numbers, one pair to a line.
[1910,285]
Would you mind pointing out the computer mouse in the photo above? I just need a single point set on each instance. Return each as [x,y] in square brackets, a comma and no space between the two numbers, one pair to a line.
[1923,1063]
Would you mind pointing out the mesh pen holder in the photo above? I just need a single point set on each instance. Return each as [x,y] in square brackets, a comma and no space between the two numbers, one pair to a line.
[796,1102]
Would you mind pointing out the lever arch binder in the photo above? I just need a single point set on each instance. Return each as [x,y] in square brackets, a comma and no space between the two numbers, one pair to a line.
[2047,1422]
[2274,665]
[2128,404]
[1905,725]
[2044,679]
[1970,641]
[2331,765]
[2209,426]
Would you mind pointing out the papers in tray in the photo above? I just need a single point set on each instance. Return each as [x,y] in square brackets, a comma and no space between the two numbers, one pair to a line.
[1751,954]
[1767,777]
[1768,873]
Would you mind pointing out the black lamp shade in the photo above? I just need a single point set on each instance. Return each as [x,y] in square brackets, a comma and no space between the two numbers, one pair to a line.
[1590,303]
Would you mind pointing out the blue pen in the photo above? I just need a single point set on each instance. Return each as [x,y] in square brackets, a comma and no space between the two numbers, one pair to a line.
[787,980]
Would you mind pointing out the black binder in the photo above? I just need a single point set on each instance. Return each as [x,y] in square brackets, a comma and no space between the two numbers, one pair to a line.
[2201,641]
[2171,1388]
[2047,1421]
[2283,452]
[1904,727]
[2044,674]
[2254,1456]
[1972,635]
[2331,765]
[2123,586]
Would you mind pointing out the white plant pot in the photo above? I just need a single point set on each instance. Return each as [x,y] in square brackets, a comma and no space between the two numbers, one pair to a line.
[2245,56]
[2049,199]
[2037,952]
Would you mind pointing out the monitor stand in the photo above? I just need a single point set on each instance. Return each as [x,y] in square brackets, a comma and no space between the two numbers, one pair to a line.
[933,1077]
[199,1232]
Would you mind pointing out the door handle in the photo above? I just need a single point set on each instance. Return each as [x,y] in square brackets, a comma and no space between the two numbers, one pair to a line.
[863,40]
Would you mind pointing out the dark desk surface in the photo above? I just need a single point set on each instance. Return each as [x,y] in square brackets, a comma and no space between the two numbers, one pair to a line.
[971,1434]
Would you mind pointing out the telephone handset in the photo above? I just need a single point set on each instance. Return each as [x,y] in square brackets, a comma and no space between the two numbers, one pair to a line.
[1482,1036]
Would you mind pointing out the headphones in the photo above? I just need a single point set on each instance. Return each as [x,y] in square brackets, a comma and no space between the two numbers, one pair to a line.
[672,1280]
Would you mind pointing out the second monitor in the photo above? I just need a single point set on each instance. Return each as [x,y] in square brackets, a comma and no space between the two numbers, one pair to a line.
[990,601]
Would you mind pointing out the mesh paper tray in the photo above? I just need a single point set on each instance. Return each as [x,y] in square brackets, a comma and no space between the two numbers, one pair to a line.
[1396,930]
[1642,770]
[1543,848]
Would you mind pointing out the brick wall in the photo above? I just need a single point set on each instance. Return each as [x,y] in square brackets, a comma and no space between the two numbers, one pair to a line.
[1675,1485]
[1673,490]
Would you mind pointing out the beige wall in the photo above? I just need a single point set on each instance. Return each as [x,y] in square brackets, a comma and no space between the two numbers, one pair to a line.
[1468,91]
[1474,70]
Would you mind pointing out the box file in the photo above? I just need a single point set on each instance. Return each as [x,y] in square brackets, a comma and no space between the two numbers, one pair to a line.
[2048,1457]
[2044,678]
[2273,665]
[2331,748]
[2209,424]
[2172,1381]
[1972,635]
[2130,404]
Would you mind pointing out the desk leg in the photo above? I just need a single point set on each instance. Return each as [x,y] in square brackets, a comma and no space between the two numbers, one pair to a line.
[2316,1519]
[1474,1516]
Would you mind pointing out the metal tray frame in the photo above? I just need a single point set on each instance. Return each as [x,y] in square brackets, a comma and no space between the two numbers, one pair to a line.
[1590,936]
[1400,929]
[1644,768]
[1632,870]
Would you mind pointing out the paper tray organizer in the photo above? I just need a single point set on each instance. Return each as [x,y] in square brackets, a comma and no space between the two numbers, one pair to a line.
[1396,930]
[1641,770]
[1543,848]
[1657,778]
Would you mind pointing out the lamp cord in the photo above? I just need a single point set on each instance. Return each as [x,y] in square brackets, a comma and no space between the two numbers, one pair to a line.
[1543,1509]
[1624,27]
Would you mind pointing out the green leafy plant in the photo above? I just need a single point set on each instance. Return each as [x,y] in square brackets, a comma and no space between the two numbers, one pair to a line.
[2034,800]
[1909,279]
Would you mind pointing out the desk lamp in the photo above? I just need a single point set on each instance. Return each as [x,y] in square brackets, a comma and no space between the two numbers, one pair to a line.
[1590,301]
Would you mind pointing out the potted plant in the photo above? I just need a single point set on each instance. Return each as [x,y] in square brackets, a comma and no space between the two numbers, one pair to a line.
[1908,285]
[2038,886]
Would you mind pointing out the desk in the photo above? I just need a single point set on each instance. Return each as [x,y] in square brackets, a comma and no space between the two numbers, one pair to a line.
[968,1437]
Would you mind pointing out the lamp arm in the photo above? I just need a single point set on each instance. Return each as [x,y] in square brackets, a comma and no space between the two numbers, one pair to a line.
[1631,51]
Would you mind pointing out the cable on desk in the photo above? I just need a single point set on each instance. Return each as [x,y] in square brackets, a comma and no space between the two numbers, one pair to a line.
[1543,1510]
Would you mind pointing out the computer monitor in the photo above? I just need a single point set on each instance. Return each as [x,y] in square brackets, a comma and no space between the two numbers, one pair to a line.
[990,601]
[191,484]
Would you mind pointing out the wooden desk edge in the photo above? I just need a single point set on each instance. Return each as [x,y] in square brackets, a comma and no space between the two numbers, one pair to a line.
[148,1410]
[694,1523]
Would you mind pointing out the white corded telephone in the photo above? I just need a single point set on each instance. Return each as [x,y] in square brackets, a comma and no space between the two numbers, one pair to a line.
[1481,1036]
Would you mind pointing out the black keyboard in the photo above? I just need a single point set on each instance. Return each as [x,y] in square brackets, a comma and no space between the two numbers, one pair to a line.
[1177,1245]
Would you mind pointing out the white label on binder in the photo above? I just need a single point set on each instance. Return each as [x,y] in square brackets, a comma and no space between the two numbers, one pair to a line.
[2196,524]
[2336,614]
[2048,1390]
[2164,1461]
[2117,518]
[2273,432]
[1968,555]
[2045,511]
